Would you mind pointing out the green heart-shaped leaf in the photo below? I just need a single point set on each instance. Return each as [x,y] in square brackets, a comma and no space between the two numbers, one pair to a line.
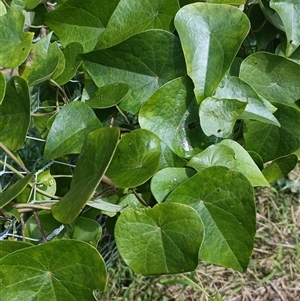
[211,35]
[160,240]
[224,200]
[175,120]
[144,62]
[230,154]
[136,159]
[15,113]
[14,43]
[96,154]
[58,270]
[69,130]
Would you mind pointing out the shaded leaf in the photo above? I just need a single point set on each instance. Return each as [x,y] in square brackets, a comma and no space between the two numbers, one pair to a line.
[211,35]
[169,158]
[53,271]
[15,113]
[164,239]
[96,154]
[171,113]
[219,115]
[280,167]
[166,180]
[295,57]
[14,42]
[224,200]
[2,86]
[136,159]
[270,141]
[289,11]
[69,130]
[272,76]
[144,62]
[42,61]
[230,154]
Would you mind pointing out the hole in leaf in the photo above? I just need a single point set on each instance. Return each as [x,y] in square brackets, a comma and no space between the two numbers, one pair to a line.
[192,125]
[219,131]
[291,41]
[255,63]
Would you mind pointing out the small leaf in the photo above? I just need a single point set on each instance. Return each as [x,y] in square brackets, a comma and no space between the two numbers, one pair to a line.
[175,120]
[2,9]
[136,159]
[42,61]
[2,86]
[104,206]
[31,4]
[164,239]
[270,141]
[69,130]
[108,96]
[9,246]
[59,270]
[15,113]
[289,11]
[144,62]
[280,167]
[230,154]
[166,180]
[14,43]
[169,158]
[218,116]
[211,35]
[295,57]
[96,154]
[277,84]
[224,200]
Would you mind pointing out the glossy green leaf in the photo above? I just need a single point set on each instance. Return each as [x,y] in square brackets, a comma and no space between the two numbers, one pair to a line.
[136,159]
[235,88]
[58,270]
[14,190]
[14,42]
[224,200]
[166,180]
[10,246]
[15,113]
[271,15]
[108,96]
[219,115]
[2,86]
[270,141]
[31,4]
[83,26]
[211,35]
[144,62]
[289,11]
[42,61]
[280,167]
[69,130]
[72,63]
[295,57]
[272,76]
[96,154]
[171,113]
[160,240]
[131,17]
[230,154]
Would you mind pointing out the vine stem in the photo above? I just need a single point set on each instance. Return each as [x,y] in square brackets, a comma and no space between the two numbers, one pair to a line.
[141,200]
[40,226]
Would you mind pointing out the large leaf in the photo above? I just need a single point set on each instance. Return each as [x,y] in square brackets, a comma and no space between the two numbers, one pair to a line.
[160,240]
[235,88]
[9,246]
[270,141]
[14,190]
[136,159]
[145,62]
[58,270]
[131,17]
[273,77]
[42,61]
[289,11]
[69,130]
[96,154]
[211,35]
[219,115]
[15,113]
[14,43]
[230,154]
[167,179]
[225,202]
[171,113]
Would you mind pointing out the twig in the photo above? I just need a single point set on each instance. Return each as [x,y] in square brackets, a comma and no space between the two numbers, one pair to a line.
[23,226]
[40,226]
[276,290]
[141,200]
